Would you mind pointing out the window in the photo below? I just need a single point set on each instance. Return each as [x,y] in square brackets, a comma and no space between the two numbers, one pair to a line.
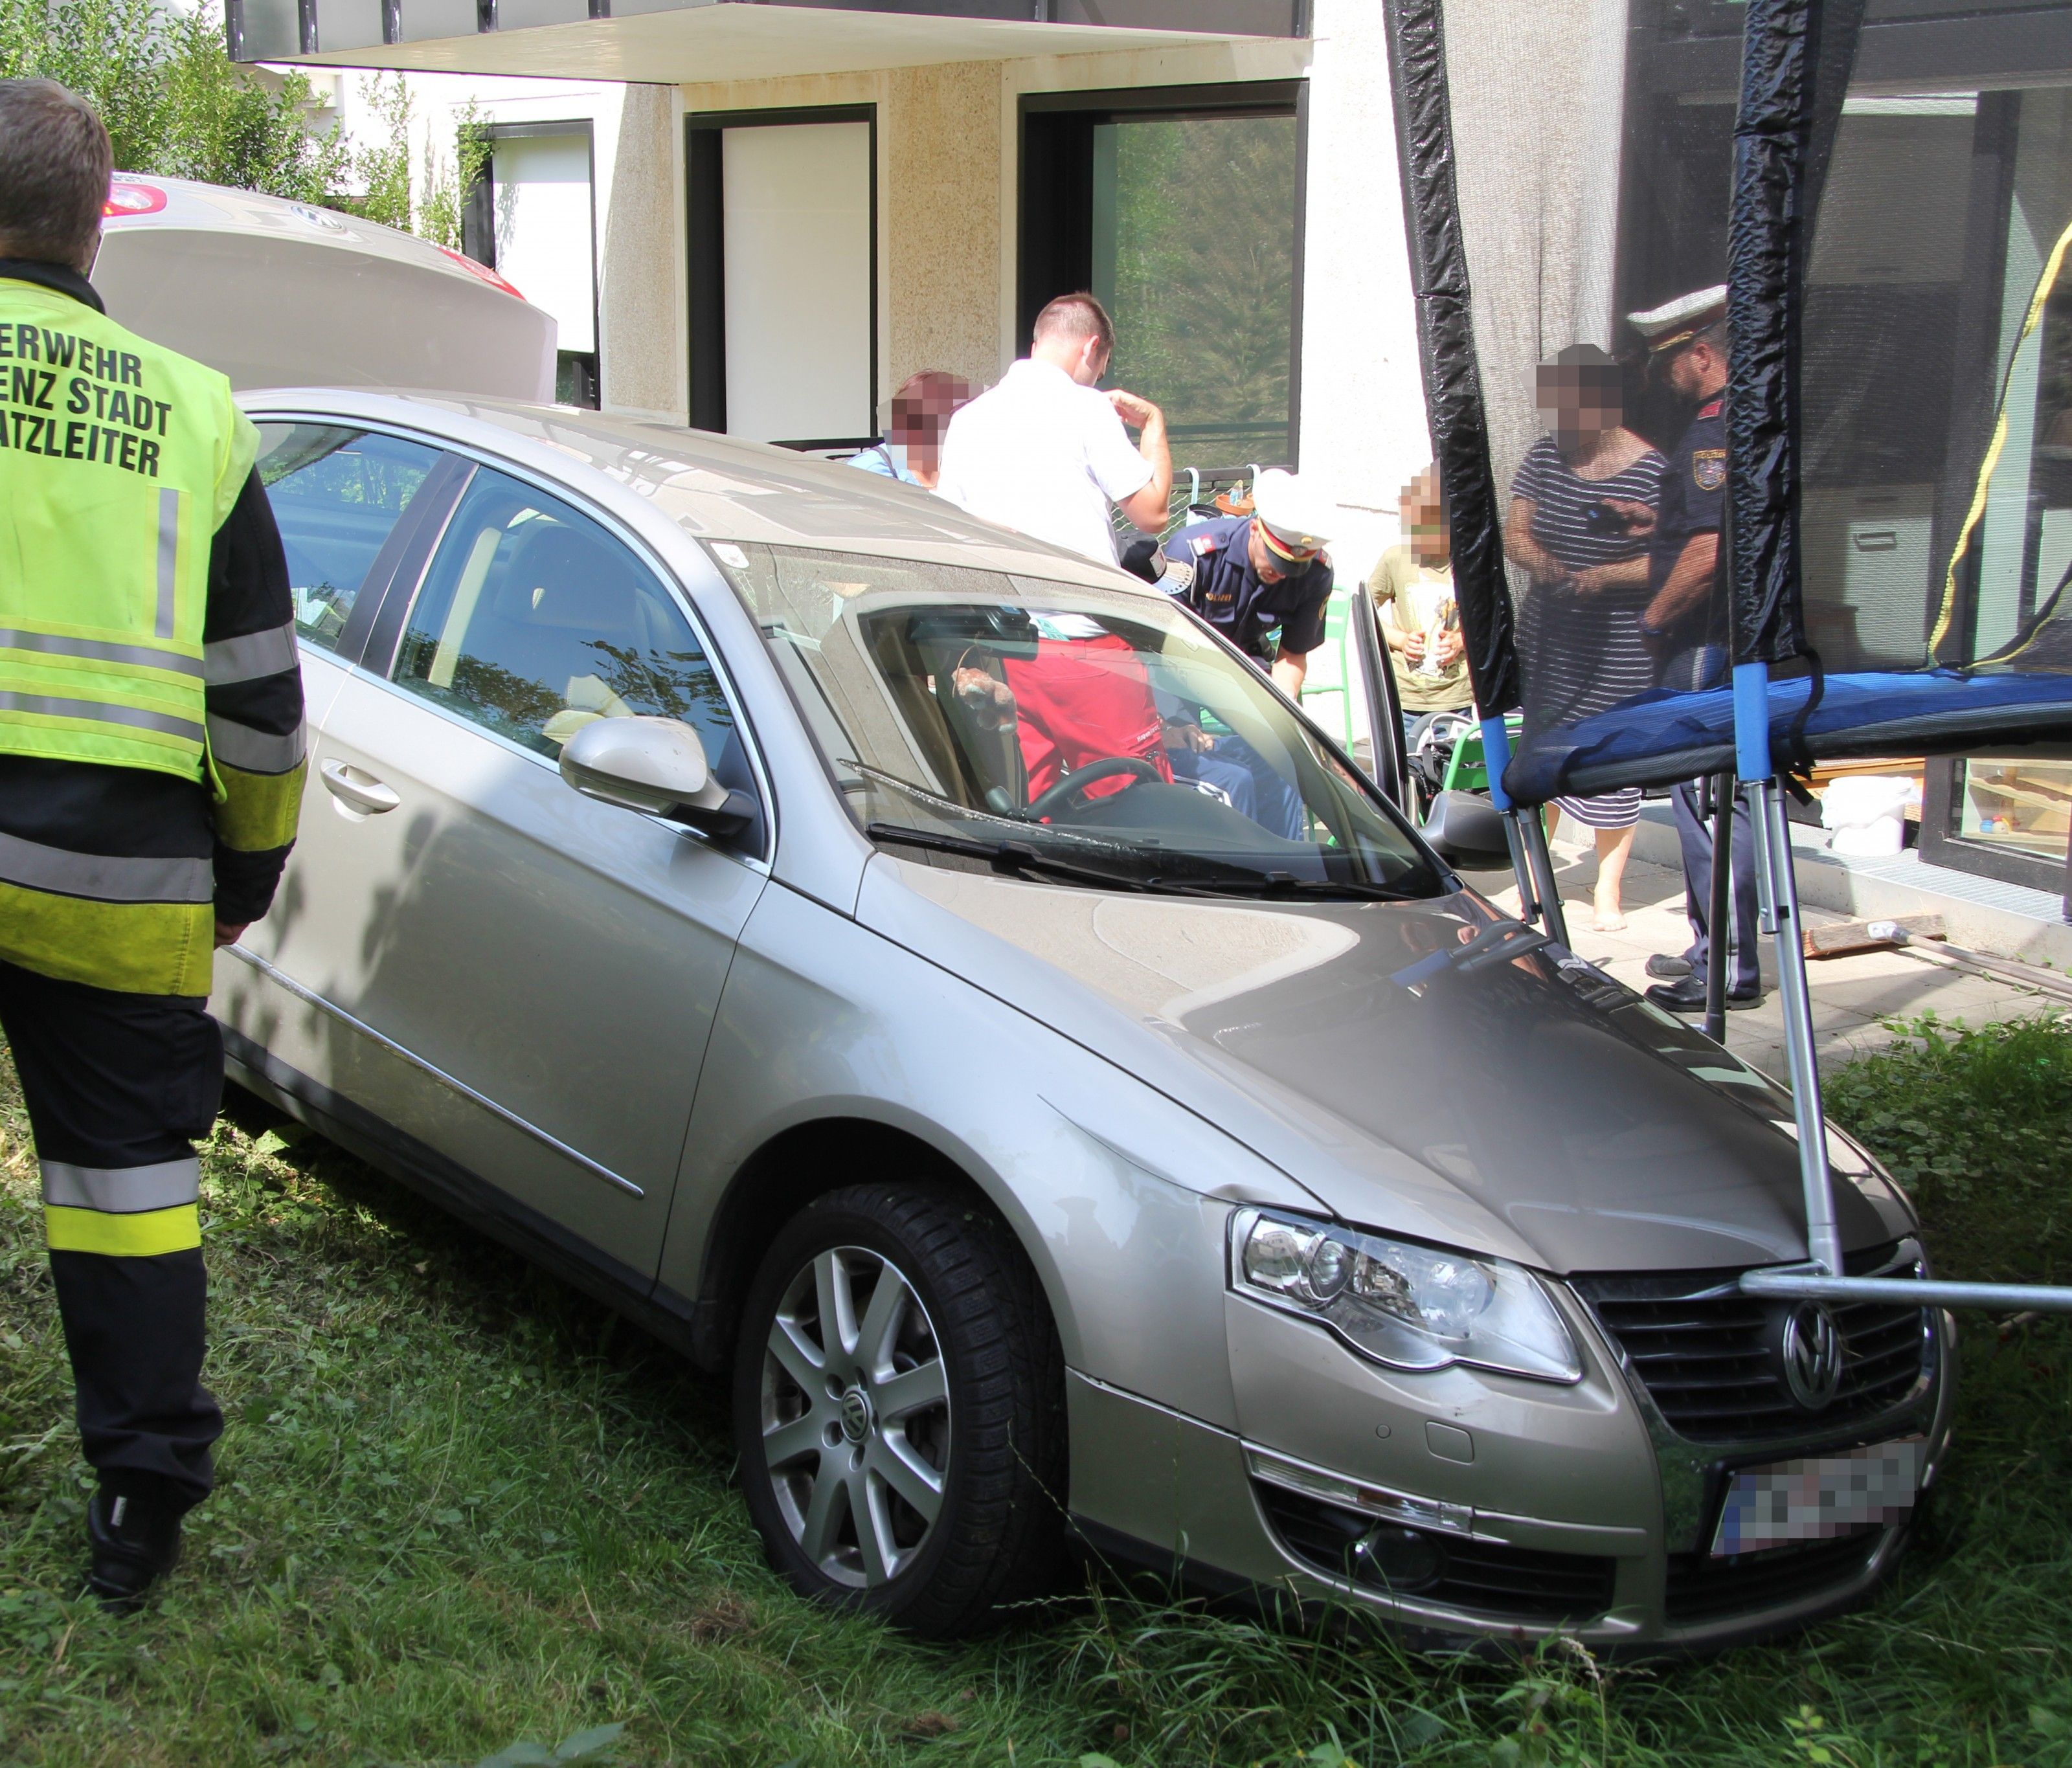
[1099,734]
[2024,542]
[531,217]
[533,622]
[1948,184]
[2021,802]
[1947,196]
[783,275]
[337,494]
[1186,224]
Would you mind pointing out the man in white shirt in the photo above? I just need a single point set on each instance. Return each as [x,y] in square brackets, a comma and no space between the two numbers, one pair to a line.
[1046,452]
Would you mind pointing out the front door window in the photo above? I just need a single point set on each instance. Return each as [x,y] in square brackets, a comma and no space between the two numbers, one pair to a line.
[534,621]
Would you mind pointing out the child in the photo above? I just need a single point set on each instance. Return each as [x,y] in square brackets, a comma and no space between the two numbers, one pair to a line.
[1413,588]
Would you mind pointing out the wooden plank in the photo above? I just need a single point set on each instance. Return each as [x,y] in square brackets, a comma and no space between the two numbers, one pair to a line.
[1844,937]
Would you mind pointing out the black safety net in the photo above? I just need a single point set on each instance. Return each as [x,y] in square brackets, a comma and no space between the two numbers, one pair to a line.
[1856,469]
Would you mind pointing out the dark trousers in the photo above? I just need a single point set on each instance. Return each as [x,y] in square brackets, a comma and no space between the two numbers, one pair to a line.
[1695,831]
[119,1088]
[1701,667]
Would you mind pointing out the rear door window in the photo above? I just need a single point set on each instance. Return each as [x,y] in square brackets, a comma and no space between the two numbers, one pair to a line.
[337,493]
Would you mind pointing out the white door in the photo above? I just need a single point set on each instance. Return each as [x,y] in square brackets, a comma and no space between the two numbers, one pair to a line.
[796,220]
[540,188]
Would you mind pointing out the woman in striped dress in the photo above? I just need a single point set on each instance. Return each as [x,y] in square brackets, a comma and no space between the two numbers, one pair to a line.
[1579,631]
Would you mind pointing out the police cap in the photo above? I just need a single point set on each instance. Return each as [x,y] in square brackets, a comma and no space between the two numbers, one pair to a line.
[1678,322]
[1294,521]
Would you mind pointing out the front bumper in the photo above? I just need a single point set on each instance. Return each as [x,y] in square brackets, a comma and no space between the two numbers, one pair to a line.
[1572,1510]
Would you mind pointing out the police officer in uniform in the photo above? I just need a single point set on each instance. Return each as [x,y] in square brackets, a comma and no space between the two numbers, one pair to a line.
[1686,625]
[1252,577]
[150,776]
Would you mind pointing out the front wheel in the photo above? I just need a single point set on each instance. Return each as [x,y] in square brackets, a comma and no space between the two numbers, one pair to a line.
[899,1408]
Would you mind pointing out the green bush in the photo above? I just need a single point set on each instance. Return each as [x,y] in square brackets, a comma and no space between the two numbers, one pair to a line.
[176,104]
[1976,1123]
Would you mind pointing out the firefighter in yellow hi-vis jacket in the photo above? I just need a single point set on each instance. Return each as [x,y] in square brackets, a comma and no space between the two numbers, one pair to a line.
[150,776]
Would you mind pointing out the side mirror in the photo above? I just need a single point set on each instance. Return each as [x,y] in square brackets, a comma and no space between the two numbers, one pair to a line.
[1466,829]
[656,765]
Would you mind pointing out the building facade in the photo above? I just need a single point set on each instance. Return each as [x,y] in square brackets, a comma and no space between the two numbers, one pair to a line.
[790,210]
[791,207]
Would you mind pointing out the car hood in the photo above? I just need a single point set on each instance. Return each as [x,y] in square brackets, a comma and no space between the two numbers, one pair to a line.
[1425,1068]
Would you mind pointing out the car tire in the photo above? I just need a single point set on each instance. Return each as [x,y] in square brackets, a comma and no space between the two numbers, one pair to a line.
[923,1277]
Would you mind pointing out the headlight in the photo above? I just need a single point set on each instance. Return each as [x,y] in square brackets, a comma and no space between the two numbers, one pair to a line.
[1409,1306]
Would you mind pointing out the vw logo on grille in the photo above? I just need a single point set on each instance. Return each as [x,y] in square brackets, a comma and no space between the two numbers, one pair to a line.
[1813,1356]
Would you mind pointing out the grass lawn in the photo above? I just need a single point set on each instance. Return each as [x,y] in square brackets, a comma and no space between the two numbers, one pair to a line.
[461,1506]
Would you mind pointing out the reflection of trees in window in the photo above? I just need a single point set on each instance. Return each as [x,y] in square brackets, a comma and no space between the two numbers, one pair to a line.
[344,466]
[1202,283]
[368,480]
[285,449]
[667,683]
[512,698]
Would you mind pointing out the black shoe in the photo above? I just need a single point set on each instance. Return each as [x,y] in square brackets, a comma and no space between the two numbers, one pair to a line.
[1665,967]
[135,1537]
[1688,996]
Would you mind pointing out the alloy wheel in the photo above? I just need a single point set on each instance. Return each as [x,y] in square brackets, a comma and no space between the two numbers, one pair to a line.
[855,1416]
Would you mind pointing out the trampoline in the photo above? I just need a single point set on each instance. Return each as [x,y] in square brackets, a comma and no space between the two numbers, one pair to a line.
[1724,302]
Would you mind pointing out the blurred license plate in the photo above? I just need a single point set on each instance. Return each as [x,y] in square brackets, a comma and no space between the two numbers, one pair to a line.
[1819,1497]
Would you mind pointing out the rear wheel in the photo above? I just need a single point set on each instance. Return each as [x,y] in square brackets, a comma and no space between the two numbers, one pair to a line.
[899,1411]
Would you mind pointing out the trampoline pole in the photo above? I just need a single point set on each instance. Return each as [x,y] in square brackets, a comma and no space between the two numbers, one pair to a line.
[1719,908]
[1532,830]
[1525,834]
[1521,869]
[1823,1243]
[1777,883]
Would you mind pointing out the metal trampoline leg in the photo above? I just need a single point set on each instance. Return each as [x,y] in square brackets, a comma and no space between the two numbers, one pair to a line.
[1521,870]
[1719,903]
[1823,1243]
[1533,832]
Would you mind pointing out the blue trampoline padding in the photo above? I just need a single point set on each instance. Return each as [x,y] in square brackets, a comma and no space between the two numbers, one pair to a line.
[1661,737]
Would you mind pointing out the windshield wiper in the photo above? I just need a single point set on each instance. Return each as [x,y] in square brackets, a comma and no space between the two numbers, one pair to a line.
[1012,858]
[1270,884]
[1018,858]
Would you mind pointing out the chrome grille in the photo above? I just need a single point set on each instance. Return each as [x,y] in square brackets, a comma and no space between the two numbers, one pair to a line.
[1710,1359]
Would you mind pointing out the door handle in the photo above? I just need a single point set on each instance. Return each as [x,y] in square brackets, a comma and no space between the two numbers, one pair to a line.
[362,791]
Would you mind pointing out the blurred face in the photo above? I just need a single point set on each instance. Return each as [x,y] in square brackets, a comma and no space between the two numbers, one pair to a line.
[920,419]
[1424,520]
[1578,404]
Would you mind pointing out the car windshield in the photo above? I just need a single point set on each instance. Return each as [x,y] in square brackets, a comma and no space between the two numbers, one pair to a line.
[1044,730]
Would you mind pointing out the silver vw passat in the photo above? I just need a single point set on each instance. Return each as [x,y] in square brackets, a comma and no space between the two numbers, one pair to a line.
[939,982]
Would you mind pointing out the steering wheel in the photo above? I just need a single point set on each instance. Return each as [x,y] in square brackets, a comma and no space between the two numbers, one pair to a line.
[1054,797]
